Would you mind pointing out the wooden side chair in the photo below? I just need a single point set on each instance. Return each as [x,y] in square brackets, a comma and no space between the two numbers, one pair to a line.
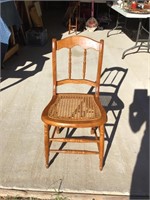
[73,26]
[73,110]
[74,17]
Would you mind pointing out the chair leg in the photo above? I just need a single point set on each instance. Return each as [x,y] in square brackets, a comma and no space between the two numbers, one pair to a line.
[76,25]
[69,25]
[101,147]
[46,142]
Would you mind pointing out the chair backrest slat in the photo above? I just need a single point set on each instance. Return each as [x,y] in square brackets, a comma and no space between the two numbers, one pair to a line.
[77,81]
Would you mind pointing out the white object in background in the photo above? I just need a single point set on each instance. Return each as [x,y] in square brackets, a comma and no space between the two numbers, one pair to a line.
[119,2]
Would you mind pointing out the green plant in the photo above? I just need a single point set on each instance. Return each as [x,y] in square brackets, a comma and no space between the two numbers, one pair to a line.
[59,196]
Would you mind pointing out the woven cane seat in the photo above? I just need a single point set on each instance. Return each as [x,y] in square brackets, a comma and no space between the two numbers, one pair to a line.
[74,107]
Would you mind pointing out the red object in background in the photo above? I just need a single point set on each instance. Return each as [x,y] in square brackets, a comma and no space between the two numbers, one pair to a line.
[133,5]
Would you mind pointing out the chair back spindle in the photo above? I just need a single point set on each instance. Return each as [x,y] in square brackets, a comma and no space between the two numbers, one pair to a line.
[70,64]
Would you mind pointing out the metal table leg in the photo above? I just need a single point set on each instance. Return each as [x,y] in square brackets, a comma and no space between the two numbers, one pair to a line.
[142,41]
[118,25]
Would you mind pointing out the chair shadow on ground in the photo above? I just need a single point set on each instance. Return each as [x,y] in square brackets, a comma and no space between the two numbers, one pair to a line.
[139,116]
[111,80]
[24,65]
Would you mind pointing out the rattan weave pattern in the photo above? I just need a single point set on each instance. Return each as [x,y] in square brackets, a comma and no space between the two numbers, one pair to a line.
[78,107]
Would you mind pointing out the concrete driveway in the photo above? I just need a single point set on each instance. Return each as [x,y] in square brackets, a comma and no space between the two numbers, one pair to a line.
[26,89]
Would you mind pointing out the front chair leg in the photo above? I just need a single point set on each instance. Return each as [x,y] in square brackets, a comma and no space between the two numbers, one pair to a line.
[46,142]
[101,147]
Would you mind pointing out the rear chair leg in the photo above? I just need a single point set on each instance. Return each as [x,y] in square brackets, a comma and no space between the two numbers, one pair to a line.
[101,147]
[46,142]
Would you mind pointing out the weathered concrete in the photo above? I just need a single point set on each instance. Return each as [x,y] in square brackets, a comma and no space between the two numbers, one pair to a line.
[26,89]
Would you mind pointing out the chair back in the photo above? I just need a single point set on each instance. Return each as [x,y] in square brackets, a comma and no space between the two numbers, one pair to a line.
[77,60]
